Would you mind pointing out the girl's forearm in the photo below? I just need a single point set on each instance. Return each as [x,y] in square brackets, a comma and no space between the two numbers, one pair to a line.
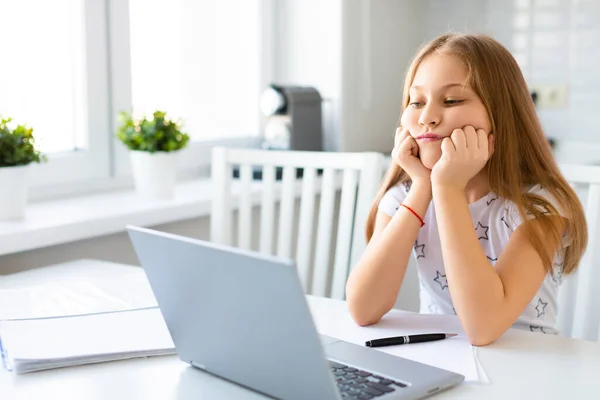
[476,289]
[374,283]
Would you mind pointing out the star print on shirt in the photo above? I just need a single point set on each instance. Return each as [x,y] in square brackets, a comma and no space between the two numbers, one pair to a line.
[441,279]
[482,231]
[490,201]
[420,250]
[541,308]
[432,308]
[503,219]
[534,328]
[407,186]
[492,259]
[557,275]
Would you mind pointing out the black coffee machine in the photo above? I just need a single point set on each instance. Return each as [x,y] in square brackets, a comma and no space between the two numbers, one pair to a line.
[294,118]
[293,121]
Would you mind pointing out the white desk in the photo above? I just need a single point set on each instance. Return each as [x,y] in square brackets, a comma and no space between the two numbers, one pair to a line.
[521,365]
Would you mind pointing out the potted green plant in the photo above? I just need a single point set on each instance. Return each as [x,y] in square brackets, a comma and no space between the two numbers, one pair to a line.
[153,141]
[17,151]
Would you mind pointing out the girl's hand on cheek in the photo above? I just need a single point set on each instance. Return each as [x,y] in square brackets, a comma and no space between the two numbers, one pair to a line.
[405,154]
[464,154]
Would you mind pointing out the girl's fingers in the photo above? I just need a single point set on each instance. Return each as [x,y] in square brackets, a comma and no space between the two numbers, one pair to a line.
[491,144]
[448,146]
[470,137]
[482,139]
[410,143]
[458,139]
[401,134]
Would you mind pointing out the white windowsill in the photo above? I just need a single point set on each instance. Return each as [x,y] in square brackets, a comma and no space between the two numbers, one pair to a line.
[67,220]
[61,221]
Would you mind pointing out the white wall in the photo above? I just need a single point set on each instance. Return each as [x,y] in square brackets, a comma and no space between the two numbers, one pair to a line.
[379,40]
[355,53]
[308,53]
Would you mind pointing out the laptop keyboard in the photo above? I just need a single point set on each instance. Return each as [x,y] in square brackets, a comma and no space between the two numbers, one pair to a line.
[355,384]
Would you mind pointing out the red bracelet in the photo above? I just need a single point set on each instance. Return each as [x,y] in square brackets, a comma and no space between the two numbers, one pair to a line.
[416,215]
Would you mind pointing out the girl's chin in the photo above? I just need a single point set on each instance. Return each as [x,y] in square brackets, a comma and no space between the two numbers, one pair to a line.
[429,160]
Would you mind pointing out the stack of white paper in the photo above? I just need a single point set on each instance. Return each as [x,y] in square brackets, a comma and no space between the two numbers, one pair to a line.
[44,343]
[75,298]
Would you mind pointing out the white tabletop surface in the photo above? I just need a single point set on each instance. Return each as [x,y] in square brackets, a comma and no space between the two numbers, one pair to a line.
[520,365]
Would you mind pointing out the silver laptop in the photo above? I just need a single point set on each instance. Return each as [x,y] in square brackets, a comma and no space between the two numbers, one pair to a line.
[243,316]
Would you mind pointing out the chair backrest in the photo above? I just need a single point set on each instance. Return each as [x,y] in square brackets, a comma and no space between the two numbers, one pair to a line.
[579,305]
[360,175]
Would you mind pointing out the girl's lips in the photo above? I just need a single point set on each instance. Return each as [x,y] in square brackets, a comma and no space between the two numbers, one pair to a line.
[429,137]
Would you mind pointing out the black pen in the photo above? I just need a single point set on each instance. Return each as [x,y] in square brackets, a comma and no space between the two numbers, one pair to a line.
[391,341]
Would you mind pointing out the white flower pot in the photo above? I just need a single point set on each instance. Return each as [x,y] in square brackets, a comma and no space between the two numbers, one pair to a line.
[13,192]
[154,173]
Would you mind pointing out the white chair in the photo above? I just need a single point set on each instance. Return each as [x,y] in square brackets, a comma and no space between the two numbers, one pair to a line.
[360,175]
[579,303]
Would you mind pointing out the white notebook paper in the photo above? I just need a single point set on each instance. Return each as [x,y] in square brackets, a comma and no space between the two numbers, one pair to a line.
[38,344]
[454,354]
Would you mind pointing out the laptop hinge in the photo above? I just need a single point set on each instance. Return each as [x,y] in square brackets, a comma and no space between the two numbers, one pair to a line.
[197,365]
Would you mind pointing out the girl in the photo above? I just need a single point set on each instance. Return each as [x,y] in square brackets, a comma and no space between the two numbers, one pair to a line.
[474,191]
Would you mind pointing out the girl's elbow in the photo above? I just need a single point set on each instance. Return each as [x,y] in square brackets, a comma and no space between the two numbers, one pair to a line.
[481,338]
[480,341]
[365,320]
[362,317]
[366,310]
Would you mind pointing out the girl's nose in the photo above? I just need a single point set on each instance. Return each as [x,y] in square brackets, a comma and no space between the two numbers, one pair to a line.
[429,117]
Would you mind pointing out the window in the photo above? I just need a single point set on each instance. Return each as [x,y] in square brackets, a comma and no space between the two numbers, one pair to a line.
[70,66]
[198,60]
[42,76]
[50,52]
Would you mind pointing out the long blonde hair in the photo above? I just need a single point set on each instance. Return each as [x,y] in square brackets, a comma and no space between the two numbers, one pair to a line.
[522,155]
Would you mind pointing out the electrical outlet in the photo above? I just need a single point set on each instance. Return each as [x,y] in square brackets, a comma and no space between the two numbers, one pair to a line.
[550,96]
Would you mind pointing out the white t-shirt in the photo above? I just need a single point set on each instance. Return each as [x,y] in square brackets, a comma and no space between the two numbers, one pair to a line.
[494,220]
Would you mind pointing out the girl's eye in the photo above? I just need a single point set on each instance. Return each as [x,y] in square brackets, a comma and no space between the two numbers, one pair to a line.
[415,104]
[452,102]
